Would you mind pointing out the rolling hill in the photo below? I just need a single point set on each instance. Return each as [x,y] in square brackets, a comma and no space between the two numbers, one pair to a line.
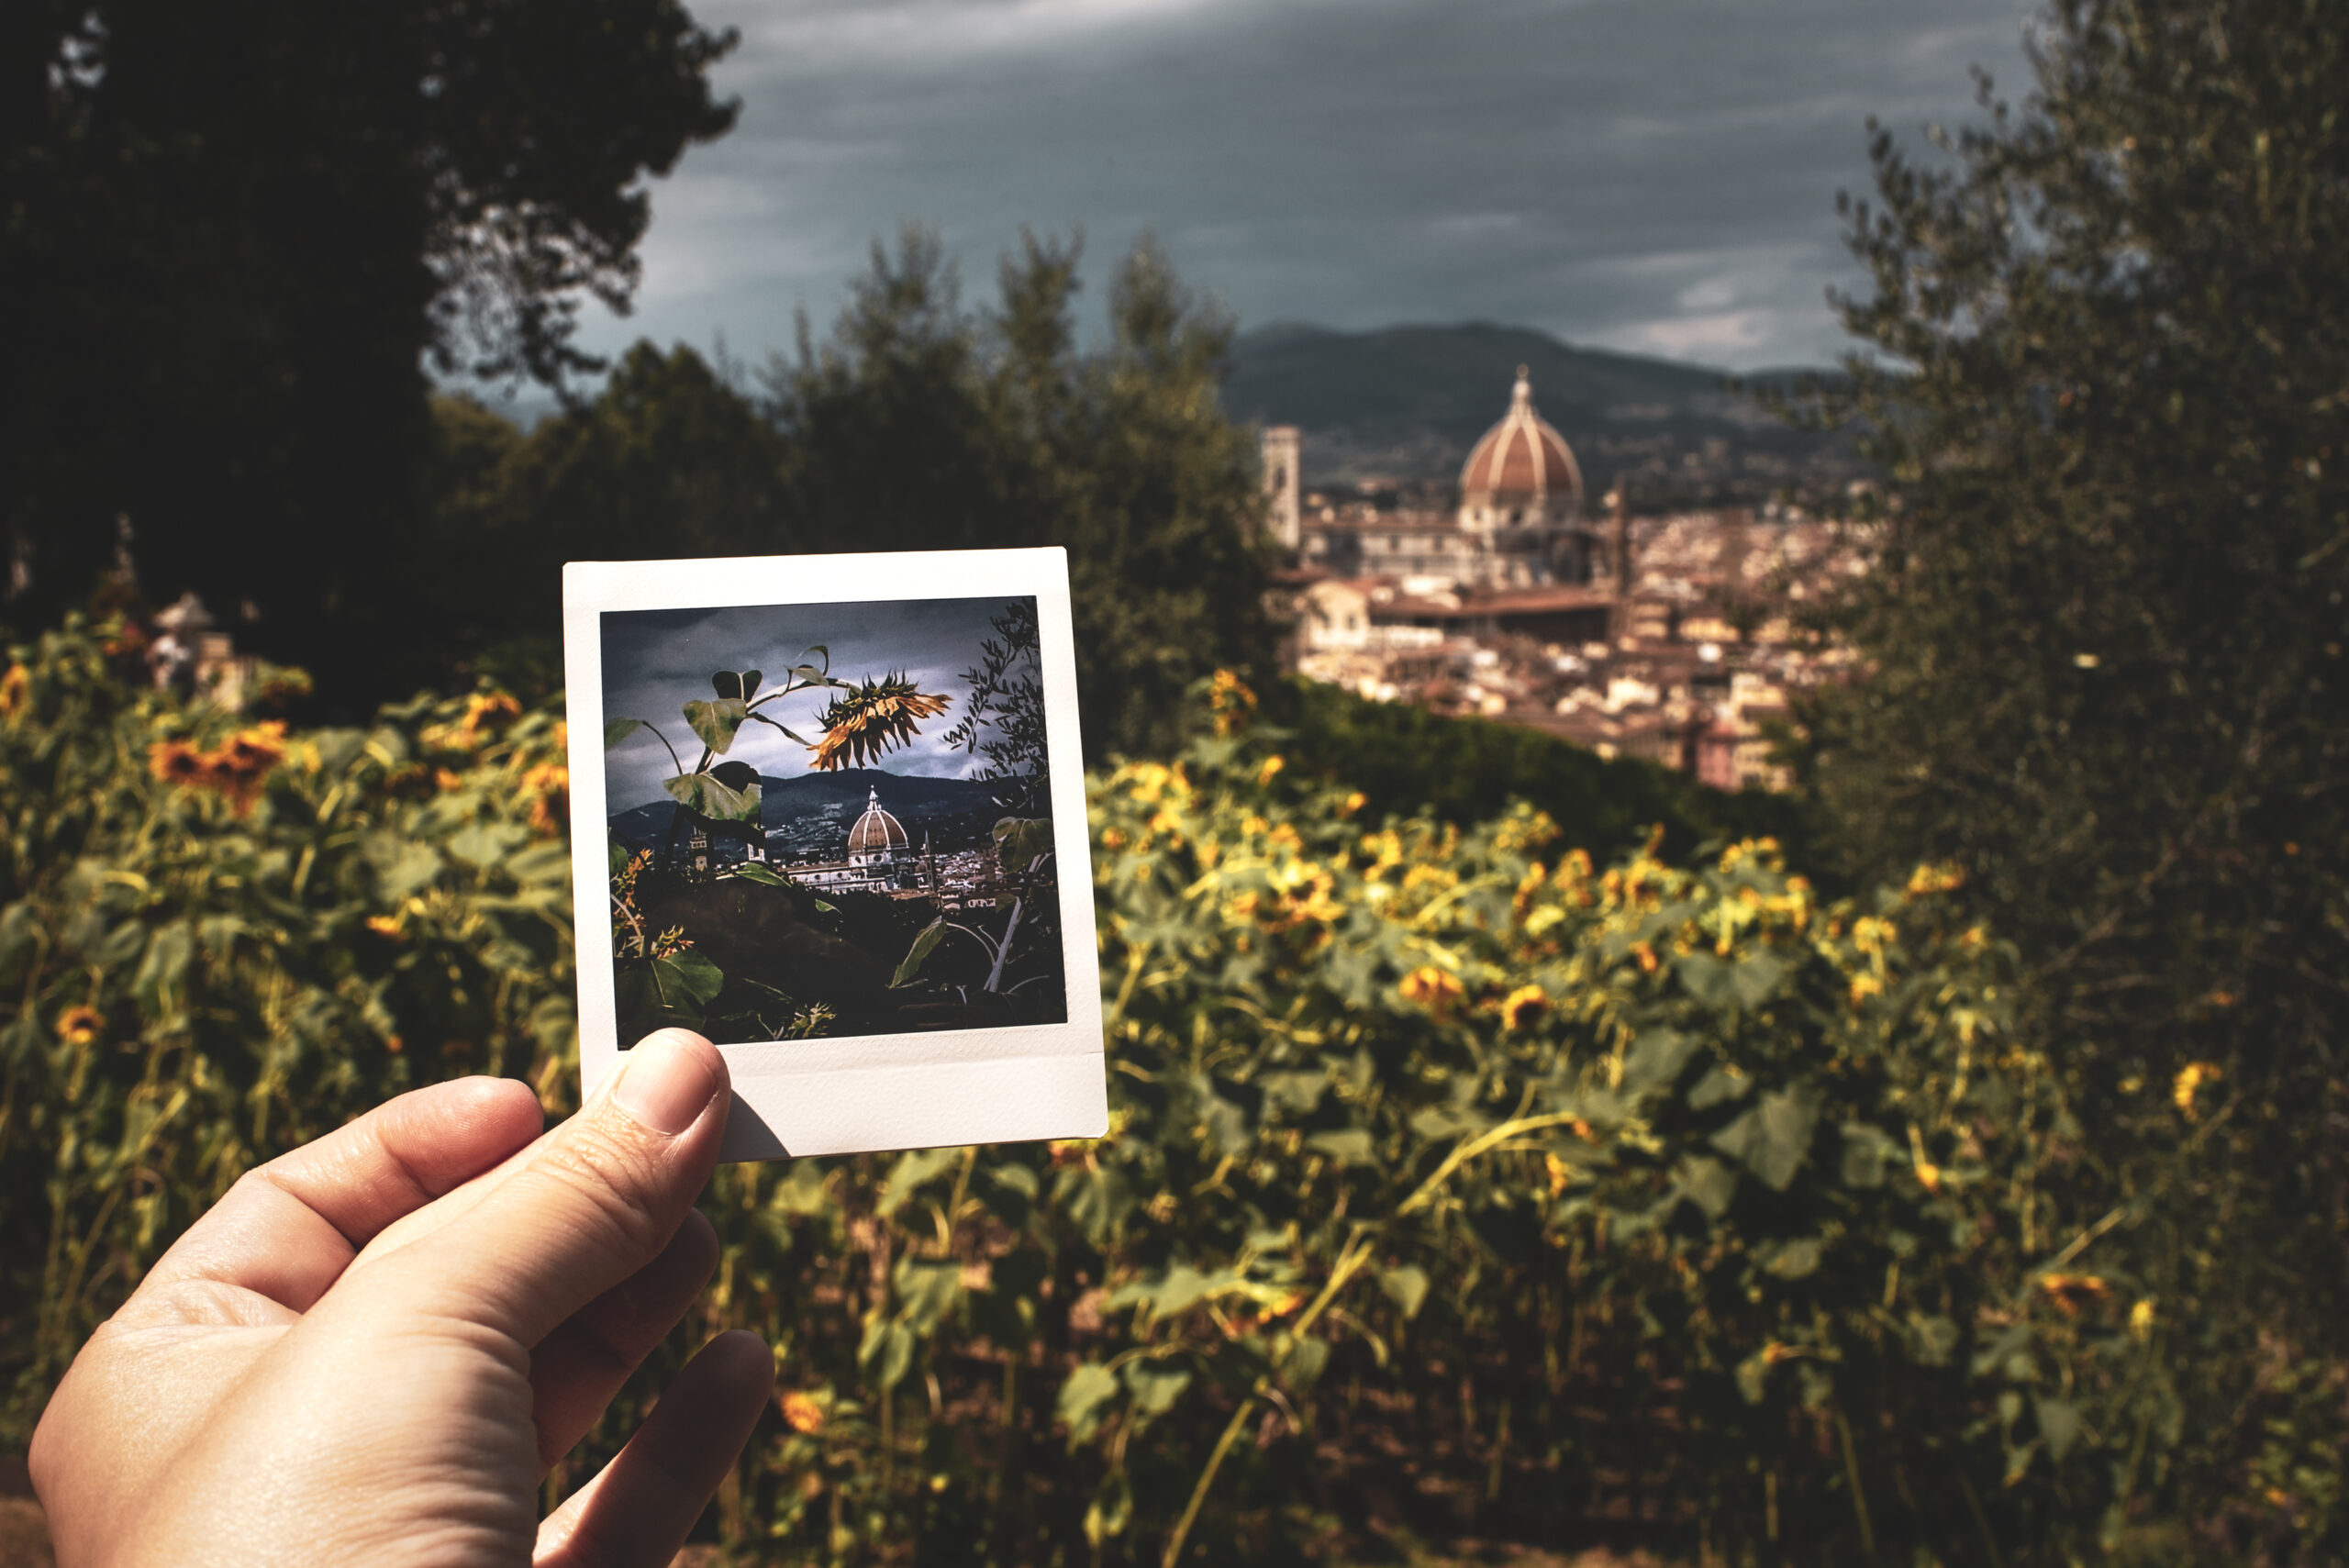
[1407,403]
[810,815]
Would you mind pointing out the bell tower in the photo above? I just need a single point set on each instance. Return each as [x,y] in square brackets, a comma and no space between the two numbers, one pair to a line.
[1283,446]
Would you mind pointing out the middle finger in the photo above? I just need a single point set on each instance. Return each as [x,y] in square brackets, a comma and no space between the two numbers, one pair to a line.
[577,1370]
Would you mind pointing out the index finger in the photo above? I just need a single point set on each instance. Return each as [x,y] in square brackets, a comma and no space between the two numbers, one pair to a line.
[288,1228]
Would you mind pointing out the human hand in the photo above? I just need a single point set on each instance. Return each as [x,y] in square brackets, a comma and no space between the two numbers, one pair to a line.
[375,1348]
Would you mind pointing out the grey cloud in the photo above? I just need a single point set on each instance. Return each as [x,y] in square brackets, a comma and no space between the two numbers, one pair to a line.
[1651,174]
[657,661]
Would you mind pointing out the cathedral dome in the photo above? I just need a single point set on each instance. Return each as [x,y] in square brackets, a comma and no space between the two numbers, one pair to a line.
[1522,462]
[876,832]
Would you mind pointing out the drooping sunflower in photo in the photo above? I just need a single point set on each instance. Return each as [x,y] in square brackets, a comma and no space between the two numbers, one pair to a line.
[867,721]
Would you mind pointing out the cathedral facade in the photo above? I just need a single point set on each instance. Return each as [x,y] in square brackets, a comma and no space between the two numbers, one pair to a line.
[1518,523]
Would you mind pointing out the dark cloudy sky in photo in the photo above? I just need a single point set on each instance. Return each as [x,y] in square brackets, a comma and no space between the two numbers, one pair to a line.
[1654,175]
[657,661]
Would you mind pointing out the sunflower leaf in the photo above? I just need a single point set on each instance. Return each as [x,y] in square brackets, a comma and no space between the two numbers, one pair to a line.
[704,795]
[716,722]
[778,724]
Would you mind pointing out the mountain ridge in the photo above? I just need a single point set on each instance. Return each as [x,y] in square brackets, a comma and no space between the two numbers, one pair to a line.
[1406,403]
[811,814]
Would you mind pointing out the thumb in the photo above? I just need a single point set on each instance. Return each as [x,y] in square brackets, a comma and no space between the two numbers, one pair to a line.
[585,1208]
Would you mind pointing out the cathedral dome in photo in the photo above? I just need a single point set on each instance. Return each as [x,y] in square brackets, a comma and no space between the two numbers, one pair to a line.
[876,832]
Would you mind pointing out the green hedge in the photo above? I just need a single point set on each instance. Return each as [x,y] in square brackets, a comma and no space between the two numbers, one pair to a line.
[1409,760]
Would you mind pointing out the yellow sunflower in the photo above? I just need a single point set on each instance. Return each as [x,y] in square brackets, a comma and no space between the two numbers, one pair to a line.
[177,762]
[867,722]
[1431,988]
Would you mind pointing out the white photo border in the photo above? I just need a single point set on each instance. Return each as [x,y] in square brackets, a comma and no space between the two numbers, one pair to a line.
[864,1091]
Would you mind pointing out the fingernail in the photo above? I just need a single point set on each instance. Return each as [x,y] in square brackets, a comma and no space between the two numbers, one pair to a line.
[667,1084]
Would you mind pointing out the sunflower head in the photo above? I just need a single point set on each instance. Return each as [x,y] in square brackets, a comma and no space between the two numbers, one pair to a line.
[2188,1083]
[868,721]
[250,753]
[177,762]
[489,710]
[1233,703]
[549,788]
[1432,988]
[79,1026]
[2074,1293]
[238,765]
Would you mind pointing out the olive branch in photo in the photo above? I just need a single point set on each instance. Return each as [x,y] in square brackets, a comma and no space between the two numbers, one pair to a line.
[1003,721]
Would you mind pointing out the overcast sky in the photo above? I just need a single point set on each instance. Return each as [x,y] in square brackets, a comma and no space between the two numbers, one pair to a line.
[1656,175]
[657,661]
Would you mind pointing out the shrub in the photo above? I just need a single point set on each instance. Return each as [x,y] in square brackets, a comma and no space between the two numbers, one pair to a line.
[221,939]
[1454,1182]
[1409,760]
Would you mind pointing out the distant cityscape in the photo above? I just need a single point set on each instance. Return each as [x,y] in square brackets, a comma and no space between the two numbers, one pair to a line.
[1515,596]
[808,835]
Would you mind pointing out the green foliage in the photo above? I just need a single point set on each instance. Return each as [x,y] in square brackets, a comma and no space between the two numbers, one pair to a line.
[913,424]
[1123,455]
[669,450]
[1406,760]
[218,943]
[1003,716]
[218,302]
[730,791]
[1444,1165]
[2106,646]
[710,798]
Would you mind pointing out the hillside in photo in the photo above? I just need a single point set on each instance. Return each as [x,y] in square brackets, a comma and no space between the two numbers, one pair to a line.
[810,815]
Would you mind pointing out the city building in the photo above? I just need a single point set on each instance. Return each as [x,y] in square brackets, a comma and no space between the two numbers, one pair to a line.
[1518,521]
[881,857]
[190,651]
[1690,654]
[1283,447]
[1678,638]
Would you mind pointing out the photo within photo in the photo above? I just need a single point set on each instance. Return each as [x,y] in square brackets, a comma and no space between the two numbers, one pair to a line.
[830,819]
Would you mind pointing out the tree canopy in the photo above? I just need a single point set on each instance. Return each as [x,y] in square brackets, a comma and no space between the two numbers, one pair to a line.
[236,235]
[2111,390]
[1018,436]
[913,423]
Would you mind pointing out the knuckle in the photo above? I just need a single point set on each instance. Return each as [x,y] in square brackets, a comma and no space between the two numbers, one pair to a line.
[258,1181]
[612,1181]
[266,1184]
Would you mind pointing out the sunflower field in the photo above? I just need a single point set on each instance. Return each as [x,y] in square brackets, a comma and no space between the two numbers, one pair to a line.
[1463,1183]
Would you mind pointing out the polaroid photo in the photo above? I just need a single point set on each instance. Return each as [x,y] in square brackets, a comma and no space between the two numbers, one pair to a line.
[830,811]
